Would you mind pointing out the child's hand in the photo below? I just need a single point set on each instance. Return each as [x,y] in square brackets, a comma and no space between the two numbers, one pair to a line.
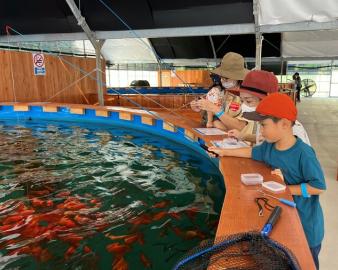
[234,133]
[206,105]
[217,150]
[210,124]
[194,106]
[279,173]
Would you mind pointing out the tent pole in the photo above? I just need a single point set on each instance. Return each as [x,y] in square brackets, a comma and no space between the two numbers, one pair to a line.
[258,35]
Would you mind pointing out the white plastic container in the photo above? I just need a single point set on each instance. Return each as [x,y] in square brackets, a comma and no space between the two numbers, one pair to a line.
[251,179]
[274,186]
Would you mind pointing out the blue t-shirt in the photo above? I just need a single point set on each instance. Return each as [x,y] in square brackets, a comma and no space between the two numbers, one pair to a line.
[299,164]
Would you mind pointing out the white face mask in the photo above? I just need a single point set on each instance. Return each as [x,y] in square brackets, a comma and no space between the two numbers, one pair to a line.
[229,84]
[246,108]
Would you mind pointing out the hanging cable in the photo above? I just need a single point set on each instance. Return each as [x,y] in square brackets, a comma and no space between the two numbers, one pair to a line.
[11,64]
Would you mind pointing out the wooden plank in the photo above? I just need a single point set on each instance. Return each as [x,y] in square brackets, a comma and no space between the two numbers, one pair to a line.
[240,212]
[148,120]
[126,116]
[102,113]
[21,108]
[190,134]
[77,110]
[169,126]
[49,108]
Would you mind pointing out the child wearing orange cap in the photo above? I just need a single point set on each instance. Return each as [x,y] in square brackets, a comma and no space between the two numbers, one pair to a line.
[296,160]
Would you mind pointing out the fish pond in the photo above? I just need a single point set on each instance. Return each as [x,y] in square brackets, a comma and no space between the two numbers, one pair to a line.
[84,196]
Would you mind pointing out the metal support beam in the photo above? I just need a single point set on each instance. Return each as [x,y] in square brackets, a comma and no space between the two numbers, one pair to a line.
[213,49]
[99,72]
[259,37]
[96,44]
[213,30]
[158,62]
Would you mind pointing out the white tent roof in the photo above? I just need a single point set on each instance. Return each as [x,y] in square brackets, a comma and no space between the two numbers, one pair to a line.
[272,12]
[128,50]
[320,44]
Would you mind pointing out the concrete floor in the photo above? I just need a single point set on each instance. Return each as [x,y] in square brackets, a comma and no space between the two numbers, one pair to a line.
[320,119]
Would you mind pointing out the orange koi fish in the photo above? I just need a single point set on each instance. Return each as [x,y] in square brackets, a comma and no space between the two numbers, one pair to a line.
[141,220]
[63,194]
[70,251]
[145,261]
[131,239]
[81,220]
[174,215]
[37,202]
[120,263]
[12,219]
[117,248]
[67,222]
[159,215]
[161,204]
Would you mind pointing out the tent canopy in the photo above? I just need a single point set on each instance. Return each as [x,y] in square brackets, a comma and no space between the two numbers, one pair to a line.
[177,29]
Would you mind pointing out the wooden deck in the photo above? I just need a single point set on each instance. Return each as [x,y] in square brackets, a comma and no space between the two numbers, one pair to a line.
[239,212]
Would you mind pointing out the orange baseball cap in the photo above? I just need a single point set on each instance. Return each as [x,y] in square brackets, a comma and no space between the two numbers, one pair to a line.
[274,105]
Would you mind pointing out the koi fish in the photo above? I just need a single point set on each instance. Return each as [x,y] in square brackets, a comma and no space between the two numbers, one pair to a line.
[72,238]
[39,192]
[67,222]
[194,234]
[191,212]
[174,215]
[161,204]
[37,202]
[145,261]
[120,263]
[63,194]
[12,219]
[70,251]
[141,220]
[131,239]
[81,220]
[159,215]
[86,249]
[117,248]
[113,237]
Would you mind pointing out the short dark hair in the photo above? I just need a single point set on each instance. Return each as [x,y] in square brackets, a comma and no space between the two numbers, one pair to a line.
[276,120]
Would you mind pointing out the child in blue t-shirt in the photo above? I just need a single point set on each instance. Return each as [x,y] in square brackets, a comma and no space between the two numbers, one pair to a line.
[296,160]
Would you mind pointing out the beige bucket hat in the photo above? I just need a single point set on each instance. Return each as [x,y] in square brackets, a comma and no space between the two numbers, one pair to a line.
[232,67]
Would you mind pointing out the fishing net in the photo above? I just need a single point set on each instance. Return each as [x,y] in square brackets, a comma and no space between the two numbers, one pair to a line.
[240,251]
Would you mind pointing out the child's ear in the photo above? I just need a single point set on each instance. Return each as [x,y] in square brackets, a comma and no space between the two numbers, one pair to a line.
[286,123]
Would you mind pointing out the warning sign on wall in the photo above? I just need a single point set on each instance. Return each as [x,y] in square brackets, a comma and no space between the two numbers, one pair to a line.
[39,64]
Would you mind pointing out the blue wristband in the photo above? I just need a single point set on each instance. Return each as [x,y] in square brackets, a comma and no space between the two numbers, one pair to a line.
[304,190]
[219,114]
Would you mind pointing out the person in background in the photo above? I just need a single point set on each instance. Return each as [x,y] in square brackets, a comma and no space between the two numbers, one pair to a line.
[298,84]
[231,72]
[297,162]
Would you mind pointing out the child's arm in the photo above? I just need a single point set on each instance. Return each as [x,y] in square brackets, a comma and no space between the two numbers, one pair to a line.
[296,190]
[210,119]
[244,152]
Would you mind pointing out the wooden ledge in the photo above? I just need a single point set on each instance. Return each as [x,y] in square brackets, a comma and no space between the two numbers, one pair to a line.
[21,108]
[126,116]
[169,126]
[240,212]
